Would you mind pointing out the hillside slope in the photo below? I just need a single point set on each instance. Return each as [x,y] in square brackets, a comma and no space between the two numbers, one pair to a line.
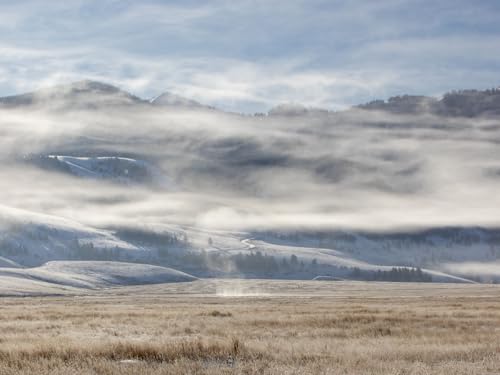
[60,277]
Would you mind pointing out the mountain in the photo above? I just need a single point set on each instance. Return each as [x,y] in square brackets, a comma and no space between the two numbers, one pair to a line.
[463,103]
[460,103]
[172,100]
[89,94]
[94,173]
[83,95]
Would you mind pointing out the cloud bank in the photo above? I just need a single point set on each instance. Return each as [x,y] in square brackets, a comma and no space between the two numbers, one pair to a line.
[357,169]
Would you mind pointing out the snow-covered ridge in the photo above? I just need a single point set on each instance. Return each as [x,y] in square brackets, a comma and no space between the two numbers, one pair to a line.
[67,276]
[30,239]
[114,168]
[169,99]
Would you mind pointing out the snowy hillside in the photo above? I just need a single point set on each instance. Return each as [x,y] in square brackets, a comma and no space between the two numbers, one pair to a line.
[115,169]
[68,276]
[36,239]
[31,239]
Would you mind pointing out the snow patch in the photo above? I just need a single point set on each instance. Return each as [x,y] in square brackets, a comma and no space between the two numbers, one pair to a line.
[7,263]
[115,168]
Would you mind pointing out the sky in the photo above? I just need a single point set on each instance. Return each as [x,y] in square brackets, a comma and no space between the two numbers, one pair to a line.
[250,55]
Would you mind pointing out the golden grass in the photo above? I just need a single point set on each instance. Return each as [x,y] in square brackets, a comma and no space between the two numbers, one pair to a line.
[365,331]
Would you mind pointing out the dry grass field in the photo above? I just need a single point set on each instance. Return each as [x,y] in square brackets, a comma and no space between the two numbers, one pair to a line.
[256,327]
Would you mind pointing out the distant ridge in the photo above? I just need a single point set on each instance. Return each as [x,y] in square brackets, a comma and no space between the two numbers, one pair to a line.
[88,94]
[94,94]
[84,93]
[169,99]
[463,103]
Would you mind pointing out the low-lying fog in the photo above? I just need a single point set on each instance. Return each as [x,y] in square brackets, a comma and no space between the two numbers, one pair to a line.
[359,169]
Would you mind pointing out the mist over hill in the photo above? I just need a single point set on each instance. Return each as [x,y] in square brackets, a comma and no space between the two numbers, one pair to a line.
[91,172]
[462,103]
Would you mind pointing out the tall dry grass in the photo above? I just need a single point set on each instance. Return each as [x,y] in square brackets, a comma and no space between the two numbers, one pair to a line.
[365,332]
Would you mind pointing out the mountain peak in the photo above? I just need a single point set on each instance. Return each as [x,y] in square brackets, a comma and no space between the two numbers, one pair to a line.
[85,93]
[89,85]
[170,99]
[92,94]
[86,86]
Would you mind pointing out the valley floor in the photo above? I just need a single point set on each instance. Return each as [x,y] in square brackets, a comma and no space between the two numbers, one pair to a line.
[256,327]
